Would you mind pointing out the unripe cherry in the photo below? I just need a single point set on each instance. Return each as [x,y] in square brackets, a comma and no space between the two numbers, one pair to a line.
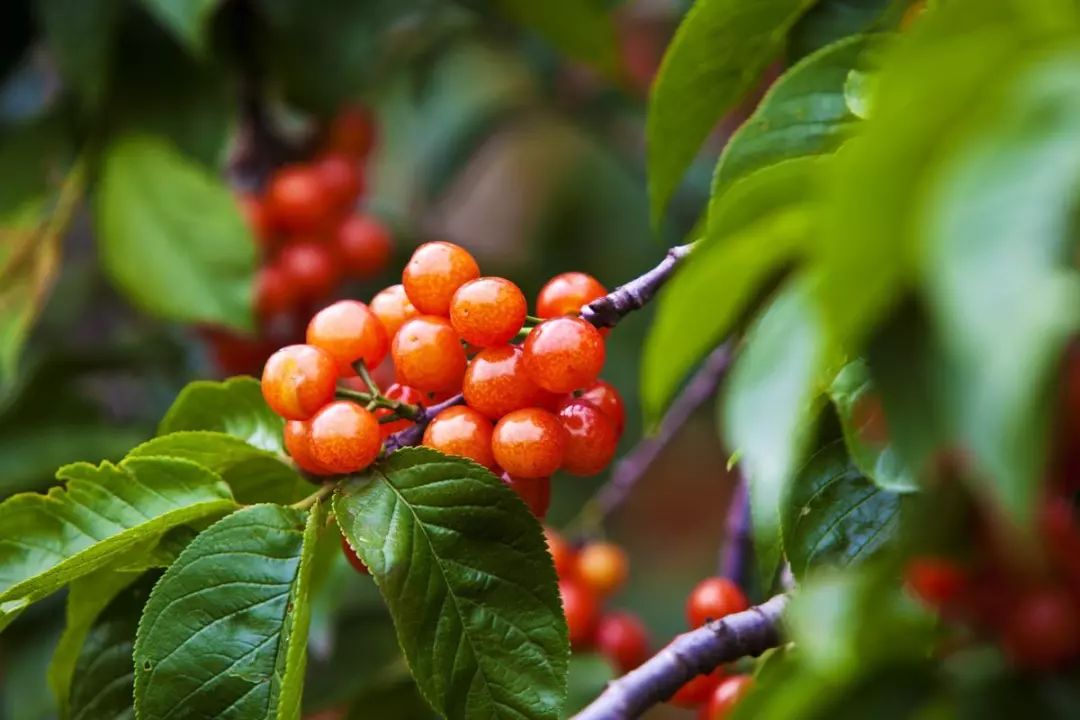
[393,308]
[564,354]
[529,443]
[496,383]
[350,332]
[345,437]
[591,438]
[565,294]
[428,355]
[463,432]
[434,273]
[298,380]
[488,311]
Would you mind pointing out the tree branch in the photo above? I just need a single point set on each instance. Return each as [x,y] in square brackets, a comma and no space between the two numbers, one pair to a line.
[743,634]
[738,545]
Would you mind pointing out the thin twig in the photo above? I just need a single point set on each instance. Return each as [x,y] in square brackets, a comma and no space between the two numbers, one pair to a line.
[324,490]
[414,434]
[738,546]
[743,634]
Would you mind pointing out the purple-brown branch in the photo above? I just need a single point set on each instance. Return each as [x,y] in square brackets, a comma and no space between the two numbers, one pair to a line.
[743,634]
[738,544]
[413,434]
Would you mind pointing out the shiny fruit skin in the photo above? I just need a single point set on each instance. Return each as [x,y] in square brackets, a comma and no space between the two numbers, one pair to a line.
[352,132]
[591,438]
[1042,631]
[496,383]
[401,393]
[296,200]
[273,291]
[565,294]
[297,436]
[311,269]
[393,308]
[434,273]
[428,355]
[536,492]
[364,245]
[353,558]
[623,640]
[563,555]
[341,179]
[936,581]
[712,599]
[582,613]
[698,689]
[564,354]
[488,311]
[298,380]
[529,443]
[725,697]
[605,396]
[463,432]
[602,567]
[350,332]
[345,437]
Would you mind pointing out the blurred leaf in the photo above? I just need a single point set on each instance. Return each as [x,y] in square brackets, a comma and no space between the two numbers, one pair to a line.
[189,21]
[254,475]
[831,20]
[398,699]
[803,113]
[858,93]
[583,29]
[589,675]
[835,516]
[104,511]
[80,34]
[862,417]
[235,407]
[1000,260]
[768,408]
[718,53]
[172,237]
[225,629]
[463,568]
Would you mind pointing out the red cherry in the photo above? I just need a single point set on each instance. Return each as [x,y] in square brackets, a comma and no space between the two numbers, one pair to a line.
[582,612]
[364,245]
[1043,630]
[353,558]
[623,640]
[341,180]
[311,269]
[712,599]
[935,581]
[725,697]
[697,690]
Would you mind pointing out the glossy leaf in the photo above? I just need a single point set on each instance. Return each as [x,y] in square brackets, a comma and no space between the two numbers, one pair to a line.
[188,21]
[835,516]
[583,29]
[718,53]
[80,34]
[463,567]
[862,417]
[172,237]
[49,540]
[831,20]
[803,113]
[224,633]
[235,407]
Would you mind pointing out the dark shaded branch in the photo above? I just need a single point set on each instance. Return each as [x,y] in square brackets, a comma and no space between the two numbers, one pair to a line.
[738,546]
[636,294]
[748,633]
[414,434]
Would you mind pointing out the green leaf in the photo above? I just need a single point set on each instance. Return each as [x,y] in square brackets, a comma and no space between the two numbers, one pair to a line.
[718,53]
[224,633]
[835,516]
[803,113]
[589,675]
[254,475]
[463,568]
[1001,272]
[189,21]
[172,237]
[583,29]
[768,408]
[831,20]
[755,229]
[80,34]
[104,511]
[235,407]
[862,418]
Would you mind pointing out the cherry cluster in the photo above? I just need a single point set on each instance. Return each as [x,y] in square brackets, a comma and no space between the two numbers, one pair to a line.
[311,238]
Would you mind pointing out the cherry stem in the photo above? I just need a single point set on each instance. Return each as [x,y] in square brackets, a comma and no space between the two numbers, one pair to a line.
[371,401]
[324,490]
[361,369]
[743,634]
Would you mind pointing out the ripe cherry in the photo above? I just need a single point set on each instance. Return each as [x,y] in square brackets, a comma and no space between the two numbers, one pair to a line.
[428,355]
[393,308]
[1042,631]
[725,697]
[605,396]
[364,245]
[623,640]
[564,354]
[582,612]
[536,492]
[461,431]
[297,437]
[341,179]
[311,269]
[257,218]
[273,291]
[529,443]
[698,689]
[936,581]
[351,132]
[565,294]
[434,273]
[353,558]
[602,567]
[296,199]
[401,393]
[496,383]
[350,332]
[298,380]
[590,438]
[488,311]
[562,554]
[345,437]
[712,599]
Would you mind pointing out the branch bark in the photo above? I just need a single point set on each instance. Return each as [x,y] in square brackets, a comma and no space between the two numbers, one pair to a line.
[738,544]
[743,634]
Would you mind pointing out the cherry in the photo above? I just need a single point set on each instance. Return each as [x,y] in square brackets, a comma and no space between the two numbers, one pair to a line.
[298,380]
[345,437]
[496,383]
[582,612]
[296,199]
[434,273]
[273,291]
[698,689]
[725,697]
[258,218]
[712,599]
[401,393]
[364,245]
[393,308]
[565,294]
[605,396]
[564,354]
[237,354]
[591,438]
[353,558]
[936,581]
[351,132]
[350,332]
[341,180]
[1043,630]
[310,267]
[623,640]
[297,437]
[488,311]
[463,432]
[428,355]
[529,443]
[868,417]
[562,555]
[602,567]
[536,492]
